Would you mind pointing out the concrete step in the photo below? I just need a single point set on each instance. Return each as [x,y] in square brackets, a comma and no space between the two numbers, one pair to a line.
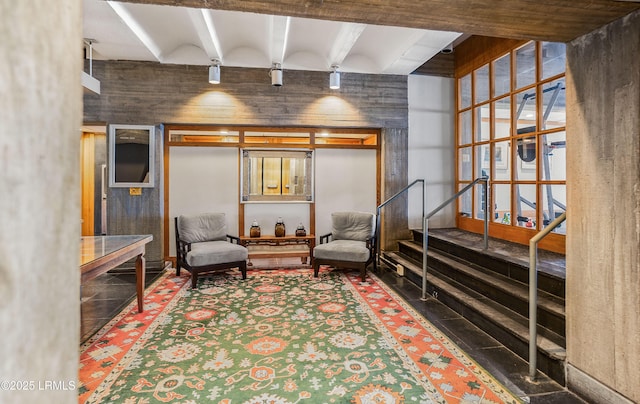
[507,326]
[503,290]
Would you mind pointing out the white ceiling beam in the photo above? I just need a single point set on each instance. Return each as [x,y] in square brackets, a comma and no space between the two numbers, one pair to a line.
[137,29]
[344,42]
[279,37]
[206,29]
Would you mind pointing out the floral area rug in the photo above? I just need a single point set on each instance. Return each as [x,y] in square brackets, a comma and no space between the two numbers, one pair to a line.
[280,336]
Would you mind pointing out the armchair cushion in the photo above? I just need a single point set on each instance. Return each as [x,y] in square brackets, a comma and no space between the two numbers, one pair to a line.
[202,227]
[358,226]
[215,252]
[343,250]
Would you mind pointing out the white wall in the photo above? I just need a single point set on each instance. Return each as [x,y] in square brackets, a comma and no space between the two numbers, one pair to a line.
[206,179]
[345,180]
[431,147]
[203,179]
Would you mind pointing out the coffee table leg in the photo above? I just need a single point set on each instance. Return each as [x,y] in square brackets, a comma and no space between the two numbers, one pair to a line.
[140,274]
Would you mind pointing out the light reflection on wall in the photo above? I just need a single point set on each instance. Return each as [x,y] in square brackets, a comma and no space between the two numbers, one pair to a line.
[222,107]
[335,110]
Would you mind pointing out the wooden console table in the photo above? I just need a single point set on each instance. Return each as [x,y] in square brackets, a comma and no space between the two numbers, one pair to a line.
[102,253]
[308,240]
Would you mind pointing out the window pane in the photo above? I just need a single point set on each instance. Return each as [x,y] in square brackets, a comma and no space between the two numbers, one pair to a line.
[525,111]
[554,163]
[502,116]
[465,127]
[479,193]
[483,159]
[526,160]
[526,65]
[553,59]
[464,202]
[355,139]
[554,203]
[502,75]
[554,105]
[481,84]
[277,137]
[502,161]
[208,136]
[502,203]
[464,162]
[465,91]
[525,205]
[482,123]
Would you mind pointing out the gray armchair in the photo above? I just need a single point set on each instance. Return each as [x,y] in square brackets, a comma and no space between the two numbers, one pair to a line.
[351,243]
[203,245]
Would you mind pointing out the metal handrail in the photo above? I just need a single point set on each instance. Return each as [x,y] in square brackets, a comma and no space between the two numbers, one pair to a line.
[533,292]
[379,208]
[425,226]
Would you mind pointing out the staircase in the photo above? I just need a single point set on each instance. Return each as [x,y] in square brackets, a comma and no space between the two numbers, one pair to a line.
[490,289]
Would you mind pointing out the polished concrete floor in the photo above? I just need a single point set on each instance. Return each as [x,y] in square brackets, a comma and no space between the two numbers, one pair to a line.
[106,295]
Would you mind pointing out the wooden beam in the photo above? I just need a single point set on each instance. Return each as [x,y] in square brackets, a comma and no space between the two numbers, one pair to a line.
[558,21]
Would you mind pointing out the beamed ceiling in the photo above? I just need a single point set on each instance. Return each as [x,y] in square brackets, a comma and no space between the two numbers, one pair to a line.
[545,20]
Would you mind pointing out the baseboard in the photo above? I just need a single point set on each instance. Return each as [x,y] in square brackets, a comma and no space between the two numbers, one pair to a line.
[592,390]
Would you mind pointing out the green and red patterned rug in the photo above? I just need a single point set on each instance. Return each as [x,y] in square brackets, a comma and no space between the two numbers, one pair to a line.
[281,336]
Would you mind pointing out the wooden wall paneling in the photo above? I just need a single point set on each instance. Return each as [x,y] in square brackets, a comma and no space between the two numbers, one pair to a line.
[442,64]
[87,171]
[476,51]
[394,221]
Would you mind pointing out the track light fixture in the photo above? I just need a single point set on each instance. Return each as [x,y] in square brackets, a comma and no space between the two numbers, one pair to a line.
[447,49]
[214,72]
[334,78]
[276,75]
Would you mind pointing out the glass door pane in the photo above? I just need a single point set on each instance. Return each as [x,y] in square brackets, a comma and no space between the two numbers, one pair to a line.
[464,202]
[481,84]
[525,110]
[553,59]
[502,118]
[465,91]
[465,127]
[526,65]
[525,205]
[554,163]
[502,203]
[482,123]
[554,111]
[465,167]
[554,203]
[502,161]
[502,75]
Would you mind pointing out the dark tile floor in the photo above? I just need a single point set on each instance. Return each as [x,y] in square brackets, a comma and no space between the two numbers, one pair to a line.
[105,296]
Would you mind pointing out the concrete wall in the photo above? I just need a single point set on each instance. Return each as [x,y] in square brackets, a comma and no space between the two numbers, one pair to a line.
[40,118]
[603,223]
[148,93]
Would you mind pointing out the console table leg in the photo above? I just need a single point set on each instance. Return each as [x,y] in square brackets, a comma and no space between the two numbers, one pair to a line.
[140,274]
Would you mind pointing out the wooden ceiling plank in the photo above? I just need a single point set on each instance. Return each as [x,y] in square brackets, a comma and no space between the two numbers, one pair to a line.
[544,20]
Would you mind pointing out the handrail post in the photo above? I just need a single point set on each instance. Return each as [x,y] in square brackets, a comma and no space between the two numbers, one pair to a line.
[486,213]
[379,210]
[533,309]
[425,246]
[533,293]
